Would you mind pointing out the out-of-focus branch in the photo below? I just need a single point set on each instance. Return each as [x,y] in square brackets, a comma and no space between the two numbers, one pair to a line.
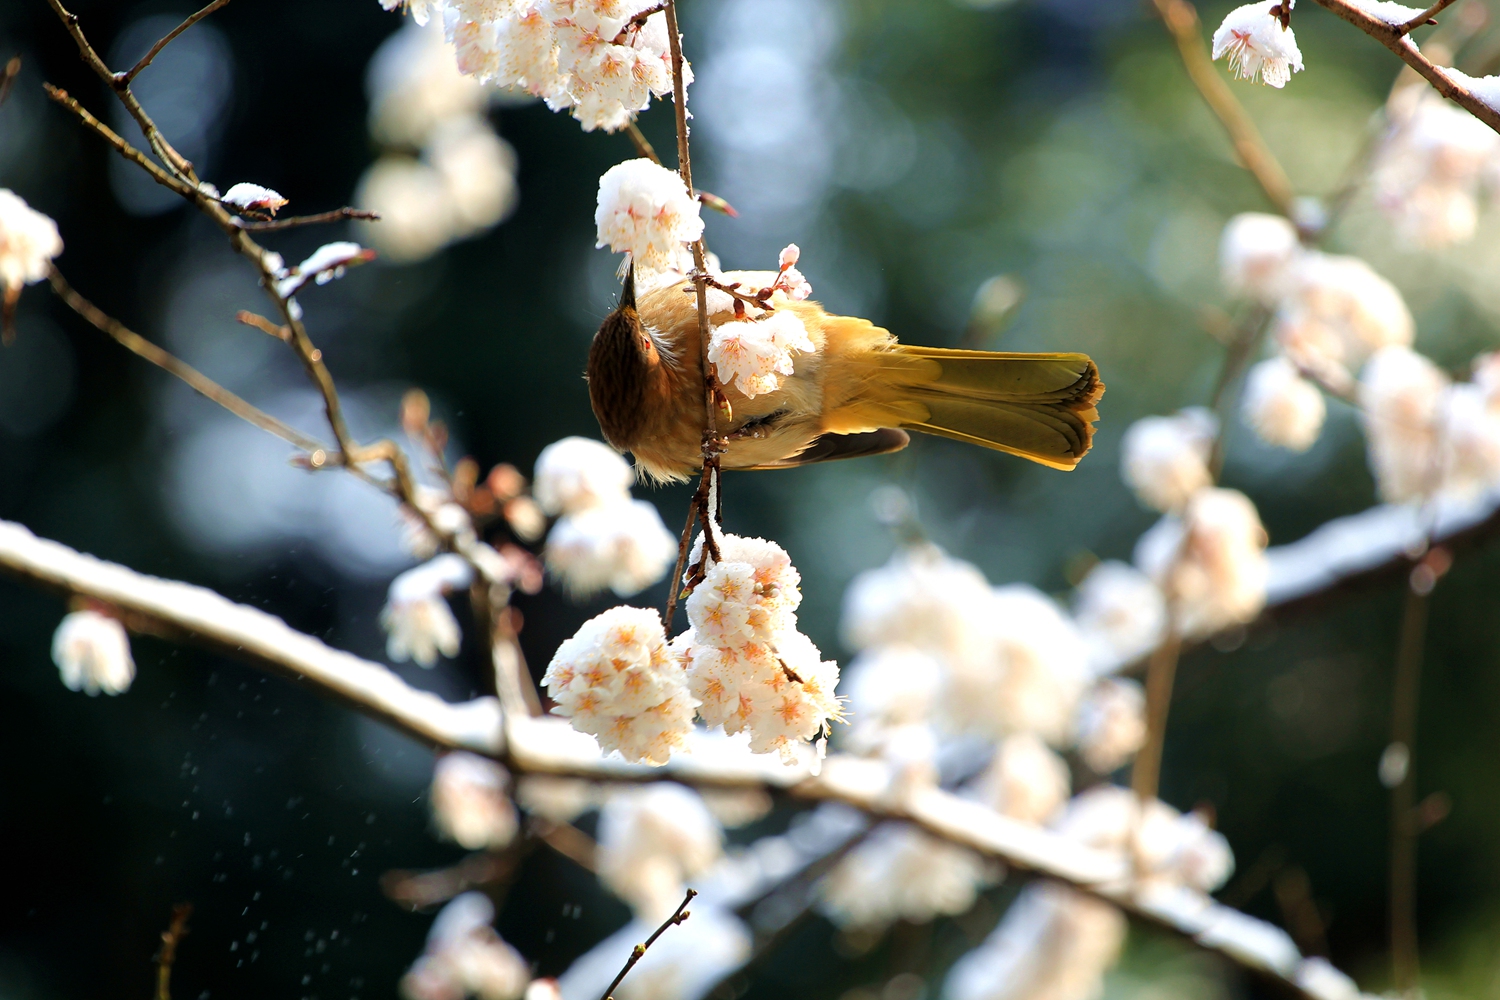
[8,77]
[170,939]
[1394,37]
[642,145]
[1181,19]
[550,746]
[125,78]
[1161,672]
[173,365]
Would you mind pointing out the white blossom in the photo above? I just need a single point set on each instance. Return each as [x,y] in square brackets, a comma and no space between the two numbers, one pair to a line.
[1281,406]
[1121,614]
[254,198]
[615,680]
[1431,166]
[924,599]
[652,841]
[323,265]
[28,242]
[889,688]
[1054,943]
[1210,561]
[1339,312]
[92,653]
[624,547]
[469,801]
[1165,459]
[420,10]
[1111,724]
[755,354]
[1256,254]
[1469,426]
[751,594]
[578,473]
[900,872]
[1025,781]
[1400,393]
[1172,848]
[418,622]
[414,86]
[417,218]
[1257,45]
[478,172]
[646,211]
[464,957]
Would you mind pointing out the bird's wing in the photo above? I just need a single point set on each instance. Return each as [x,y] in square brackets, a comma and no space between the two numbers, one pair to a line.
[830,447]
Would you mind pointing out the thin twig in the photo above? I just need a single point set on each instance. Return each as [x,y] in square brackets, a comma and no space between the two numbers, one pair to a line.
[125,78]
[1181,19]
[1161,672]
[8,77]
[170,939]
[674,584]
[642,144]
[337,215]
[639,951]
[173,365]
[122,147]
[1395,39]
[1426,17]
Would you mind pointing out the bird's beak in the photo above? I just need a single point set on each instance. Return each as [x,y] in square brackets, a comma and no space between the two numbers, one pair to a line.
[627,294]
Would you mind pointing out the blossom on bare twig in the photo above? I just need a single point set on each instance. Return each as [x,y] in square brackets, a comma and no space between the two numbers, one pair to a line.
[1210,561]
[92,653]
[253,199]
[578,473]
[1434,162]
[418,622]
[900,872]
[28,242]
[1258,44]
[1256,253]
[754,354]
[1111,724]
[1121,614]
[1338,312]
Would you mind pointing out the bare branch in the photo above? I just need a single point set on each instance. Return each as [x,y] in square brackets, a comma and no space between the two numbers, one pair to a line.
[1394,38]
[170,939]
[8,77]
[123,79]
[337,215]
[639,951]
[1427,16]
[122,147]
[168,362]
[1181,19]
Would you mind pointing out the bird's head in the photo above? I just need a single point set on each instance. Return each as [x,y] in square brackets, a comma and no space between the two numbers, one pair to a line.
[622,359]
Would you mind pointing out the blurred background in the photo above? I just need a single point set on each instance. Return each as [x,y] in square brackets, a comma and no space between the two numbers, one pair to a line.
[914,149]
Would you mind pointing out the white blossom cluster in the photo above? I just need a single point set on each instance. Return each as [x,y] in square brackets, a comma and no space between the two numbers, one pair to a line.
[28,242]
[598,58]
[444,174]
[754,353]
[747,665]
[901,872]
[1257,44]
[616,680]
[470,800]
[418,623]
[92,653]
[602,539]
[464,957]
[645,210]
[652,841]
[1338,322]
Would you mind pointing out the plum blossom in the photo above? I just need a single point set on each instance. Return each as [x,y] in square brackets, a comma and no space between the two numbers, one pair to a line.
[652,841]
[646,211]
[615,680]
[924,599]
[891,691]
[1025,781]
[1281,406]
[253,198]
[1256,254]
[420,10]
[623,547]
[92,653]
[1210,560]
[1337,313]
[1173,848]
[1431,167]
[1121,614]
[901,872]
[469,802]
[418,622]
[464,957]
[1257,44]
[1400,394]
[1111,724]
[578,473]
[28,242]
[755,354]
[1165,459]
[1469,424]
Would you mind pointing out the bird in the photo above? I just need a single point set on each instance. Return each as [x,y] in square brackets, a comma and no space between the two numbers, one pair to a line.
[857,393]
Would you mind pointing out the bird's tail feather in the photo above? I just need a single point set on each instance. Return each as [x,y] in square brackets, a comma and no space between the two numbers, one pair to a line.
[1037,406]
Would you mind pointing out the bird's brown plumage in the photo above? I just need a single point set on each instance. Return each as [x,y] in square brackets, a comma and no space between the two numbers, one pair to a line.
[852,395]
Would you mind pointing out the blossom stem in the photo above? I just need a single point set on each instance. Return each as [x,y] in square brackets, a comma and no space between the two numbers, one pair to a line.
[337,215]
[1181,19]
[1161,674]
[1243,347]
[639,951]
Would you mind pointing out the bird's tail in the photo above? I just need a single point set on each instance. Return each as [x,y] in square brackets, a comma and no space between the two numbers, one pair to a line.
[1037,406]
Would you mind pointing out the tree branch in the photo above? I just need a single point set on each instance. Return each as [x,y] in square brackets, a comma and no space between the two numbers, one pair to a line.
[123,79]
[639,951]
[1394,37]
[337,215]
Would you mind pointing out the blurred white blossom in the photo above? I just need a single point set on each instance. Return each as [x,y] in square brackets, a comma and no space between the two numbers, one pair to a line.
[888,688]
[418,622]
[28,242]
[1257,45]
[1337,313]
[1400,393]
[1111,724]
[1469,424]
[924,599]
[469,801]
[645,210]
[1172,848]
[754,354]
[478,173]
[1281,406]
[464,957]
[92,653]
[652,841]
[1121,614]
[1432,164]
[1256,254]
[624,547]
[900,872]
[1317,977]
[615,680]
[1210,561]
[1165,459]
[1025,781]
[577,473]
[413,86]
[1054,943]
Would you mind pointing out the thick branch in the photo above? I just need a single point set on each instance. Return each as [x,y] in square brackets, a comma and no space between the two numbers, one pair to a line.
[1393,37]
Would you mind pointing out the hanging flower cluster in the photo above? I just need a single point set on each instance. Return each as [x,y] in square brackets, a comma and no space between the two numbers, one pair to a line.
[1258,43]
[645,210]
[470,800]
[92,653]
[754,353]
[652,840]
